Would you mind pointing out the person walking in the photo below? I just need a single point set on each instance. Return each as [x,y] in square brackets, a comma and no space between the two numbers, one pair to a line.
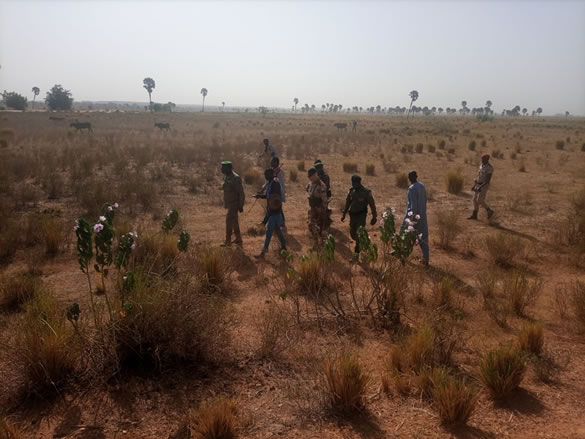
[357,202]
[417,209]
[233,201]
[318,206]
[481,186]
[274,218]
[267,154]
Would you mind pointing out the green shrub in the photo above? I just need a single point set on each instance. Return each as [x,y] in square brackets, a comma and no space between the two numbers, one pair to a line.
[455,181]
[502,370]
[431,148]
[441,144]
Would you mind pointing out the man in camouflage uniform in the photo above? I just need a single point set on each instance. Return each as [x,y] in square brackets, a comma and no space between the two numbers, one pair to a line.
[357,202]
[318,204]
[323,176]
[233,201]
[481,186]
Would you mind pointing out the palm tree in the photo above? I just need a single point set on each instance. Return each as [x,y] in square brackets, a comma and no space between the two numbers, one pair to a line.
[36,92]
[488,106]
[204,93]
[149,85]
[539,111]
[463,107]
[296,101]
[524,111]
[567,114]
[413,97]
[323,107]
[222,106]
[313,108]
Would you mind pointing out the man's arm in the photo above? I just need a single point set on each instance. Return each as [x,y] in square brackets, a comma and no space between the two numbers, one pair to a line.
[347,203]
[241,194]
[412,202]
[372,204]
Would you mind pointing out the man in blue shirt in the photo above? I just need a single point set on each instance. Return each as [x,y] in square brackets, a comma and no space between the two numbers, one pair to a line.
[417,204]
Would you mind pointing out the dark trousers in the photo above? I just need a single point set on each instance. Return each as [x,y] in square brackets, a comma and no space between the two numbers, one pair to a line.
[356,220]
[232,225]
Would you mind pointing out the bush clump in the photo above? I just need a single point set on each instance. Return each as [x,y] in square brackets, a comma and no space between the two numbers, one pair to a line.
[448,226]
[370,169]
[402,181]
[455,181]
[521,292]
[214,420]
[454,400]
[503,249]
[531,339]
[472,145]
[419,148]
[346,383]
[502,370]
[560,145]
[16,290]
[350,167]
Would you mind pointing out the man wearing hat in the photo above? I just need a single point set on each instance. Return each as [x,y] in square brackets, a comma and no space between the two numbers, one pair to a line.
[323,176]
[417,209]
[233,201]
[481,186]
[318,206]
[357,202]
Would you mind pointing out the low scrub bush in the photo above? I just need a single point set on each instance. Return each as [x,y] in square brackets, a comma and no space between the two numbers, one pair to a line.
[402,181]
[521,292]
[497,154]
[501,371]
[350,167]
[419,148]
[214,420]
[157,253]
[493,302]
[431,148]
[441,144]
[454,400]
[252,176]
[301,165]
[213,265]
[53,231]
[503,249]
[472,145]
[294,176]
[448,227]
[16,290]
[454,181]
[443,291]
[44,348]
[346,383]
[560,144]
[531,339]
[370,169]
[273,326]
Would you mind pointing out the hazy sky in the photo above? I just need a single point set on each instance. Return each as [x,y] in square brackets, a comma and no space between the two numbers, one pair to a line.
[266,53]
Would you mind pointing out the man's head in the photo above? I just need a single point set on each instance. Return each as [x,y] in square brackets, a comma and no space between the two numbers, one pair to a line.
[485,159]
[318,165]
[356,181]
[412,176]
[312,174]
[226,167]
[275,162]
[269,174]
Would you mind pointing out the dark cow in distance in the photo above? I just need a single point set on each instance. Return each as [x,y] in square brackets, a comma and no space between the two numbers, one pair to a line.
[340,126]
[79,126]
[163,126]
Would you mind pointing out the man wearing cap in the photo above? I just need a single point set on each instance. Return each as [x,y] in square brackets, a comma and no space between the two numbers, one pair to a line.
[481,186]
[233,201]
[357,202]
[318,202]
[274,218]
[417,209]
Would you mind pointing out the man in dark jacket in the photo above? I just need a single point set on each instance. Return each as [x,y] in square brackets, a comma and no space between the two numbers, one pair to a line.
[233,201]
[357,202]
[274,218]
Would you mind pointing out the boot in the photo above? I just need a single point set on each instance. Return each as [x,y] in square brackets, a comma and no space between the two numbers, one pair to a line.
[473,215]
[490,213]
[238,240]
[227,243]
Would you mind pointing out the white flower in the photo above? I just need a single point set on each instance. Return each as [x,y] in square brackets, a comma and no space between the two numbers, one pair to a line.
[393,210]
[116,205]
[102,218]
[410,229]
[170,212]
[133,246]
[408,221]
[134,234]
[417,217]
[420,235]
[110,208]
[98,228]
[410,213]
[75,227]
[385,214]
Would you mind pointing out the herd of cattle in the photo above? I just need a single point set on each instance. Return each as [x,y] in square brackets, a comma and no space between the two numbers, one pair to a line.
[165,126]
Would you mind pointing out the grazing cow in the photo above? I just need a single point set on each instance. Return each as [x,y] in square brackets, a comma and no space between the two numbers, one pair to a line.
[79,126]
[163,126]
[340,126]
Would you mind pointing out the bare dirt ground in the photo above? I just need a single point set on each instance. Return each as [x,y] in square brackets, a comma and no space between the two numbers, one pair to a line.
[276,396]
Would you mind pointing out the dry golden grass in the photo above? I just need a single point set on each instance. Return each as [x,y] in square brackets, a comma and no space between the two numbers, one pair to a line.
[531,339]
[502,370]
[503,249]
[16,290]
[454,180]
[454,400]
[215,420]
[346,383]
[9,431]
[402,181]
[448,227]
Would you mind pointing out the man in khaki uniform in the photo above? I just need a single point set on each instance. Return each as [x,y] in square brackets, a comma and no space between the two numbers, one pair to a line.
[481,187]
[233,201]
[318,204]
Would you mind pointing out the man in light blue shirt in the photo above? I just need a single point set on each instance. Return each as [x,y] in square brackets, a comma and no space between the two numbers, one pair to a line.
[417,204]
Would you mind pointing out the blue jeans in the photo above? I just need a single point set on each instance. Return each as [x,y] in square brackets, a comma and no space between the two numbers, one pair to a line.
[274,223]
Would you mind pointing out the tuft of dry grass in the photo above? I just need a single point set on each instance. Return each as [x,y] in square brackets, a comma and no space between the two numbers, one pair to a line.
[213,266]
[301,165]
[294,176]
[402,181]
[214,420]
[370,169]
[454,182]
[448,226]
[252,176]
[521,292]
[53,232]
[560,145]
[350,167]
[157,253]
[503,249]
[9,431]
[531,339]
[273,326]
[578,301]
[454,400]
[443,292]
[419,148]
[346,383]
[16,290]
[501,371]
